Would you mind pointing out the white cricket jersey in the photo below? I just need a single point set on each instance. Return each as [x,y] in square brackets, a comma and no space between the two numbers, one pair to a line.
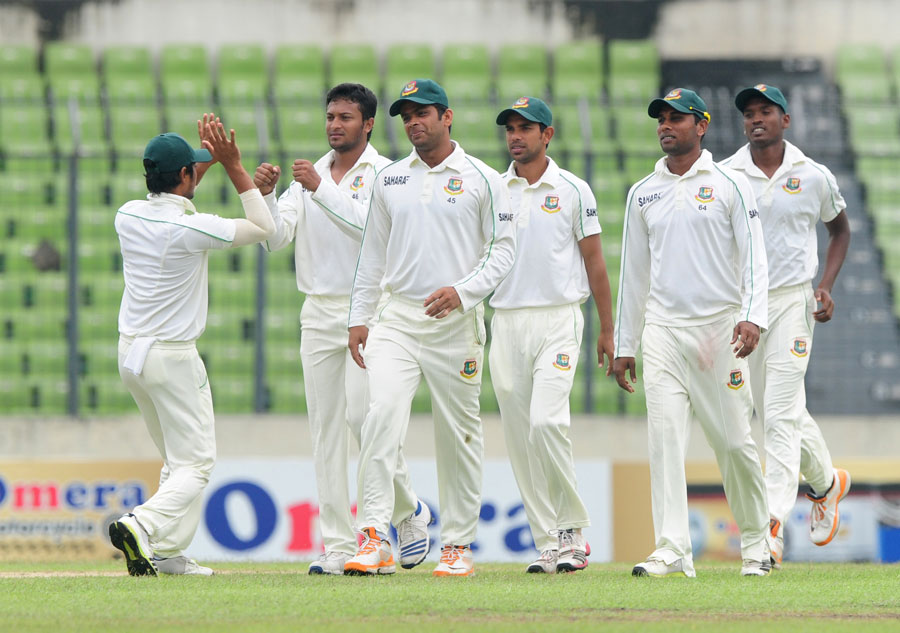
[430,227]
[692,251]
[164,244]
[799,194]
[327,224]
[552,216]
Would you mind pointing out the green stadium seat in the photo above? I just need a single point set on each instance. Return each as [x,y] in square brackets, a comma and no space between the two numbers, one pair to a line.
[242,91]
[635,131]
[25,89]
[120,62]
[577,71]
[91,131]
[356,63]
[69,59]
[126,91]
[18,60]
[865,90]
[286,395]
[510,88]
[24,129]
[83,89]
[251,129]
[302,133]
[131,128]
[853,60]
[638,166]
[193,92]
[229,359]
[242,60]
[633,57]
[405,62]
[182,119]
[467,73]
[521,70]
[299,74]
[633,89]
[184,60]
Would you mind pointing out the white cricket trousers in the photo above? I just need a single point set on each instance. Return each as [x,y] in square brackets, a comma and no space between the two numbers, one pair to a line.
[404,346]
[174,397]
[794,443]
[336,402]
[534,353]
[692,373]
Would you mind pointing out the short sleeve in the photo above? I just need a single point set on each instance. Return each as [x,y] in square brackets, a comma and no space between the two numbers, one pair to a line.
[832,202]
[585,222]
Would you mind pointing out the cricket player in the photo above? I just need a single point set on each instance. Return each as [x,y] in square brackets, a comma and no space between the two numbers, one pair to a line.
[438,240]
[537,329]
[693,287]
[165,245]
[324,211]
[793,193]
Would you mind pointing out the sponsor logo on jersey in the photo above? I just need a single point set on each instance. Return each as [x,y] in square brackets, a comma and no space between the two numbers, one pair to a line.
[395,180]
[590,213]
[410,88]
[736,379]
[522,102]
[357,183]
[799,348]
[562,362]
[551,204]
[642,200]
[674,95]
[753,213]
[792,185]
[704,195]
[506,217]
[454,186]
[470,368]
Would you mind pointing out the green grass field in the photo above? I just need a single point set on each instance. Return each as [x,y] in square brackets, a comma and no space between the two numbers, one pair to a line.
[281,597]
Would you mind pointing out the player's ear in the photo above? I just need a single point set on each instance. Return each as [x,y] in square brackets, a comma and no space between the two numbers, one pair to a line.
[368,124]
[785,121]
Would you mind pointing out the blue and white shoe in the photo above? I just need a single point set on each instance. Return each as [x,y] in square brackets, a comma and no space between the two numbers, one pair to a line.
[413,537]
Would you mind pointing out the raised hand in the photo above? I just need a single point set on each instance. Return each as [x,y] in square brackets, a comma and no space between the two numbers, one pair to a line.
[265,177]
[221,145]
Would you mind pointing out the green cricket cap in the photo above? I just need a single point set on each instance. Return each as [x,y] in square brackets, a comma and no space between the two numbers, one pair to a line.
[683,100]
[424,91]
[769,93]
[531,108]
[171,152]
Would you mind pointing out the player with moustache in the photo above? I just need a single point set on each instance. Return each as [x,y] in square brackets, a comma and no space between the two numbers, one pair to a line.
[794,193]
[692,296]
[438,240]
[323,212]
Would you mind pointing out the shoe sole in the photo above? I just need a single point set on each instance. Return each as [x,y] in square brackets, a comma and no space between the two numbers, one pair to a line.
[318,571]
[537,569]
[640,572]
[447,574]
[361,570]
[563,568]
[428,544]
[124,540]
[844,477]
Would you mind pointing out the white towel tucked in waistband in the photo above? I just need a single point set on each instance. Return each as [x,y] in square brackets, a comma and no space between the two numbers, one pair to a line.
[134,361]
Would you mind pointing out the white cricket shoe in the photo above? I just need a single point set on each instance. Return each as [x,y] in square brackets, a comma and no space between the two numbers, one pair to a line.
[413,538]
[456,560]
[775,541]
[572,551]
[755,567]
[329,563]
[127,535]
[374,556]
[181,566]
[545,563]
[659,569]
[824,519]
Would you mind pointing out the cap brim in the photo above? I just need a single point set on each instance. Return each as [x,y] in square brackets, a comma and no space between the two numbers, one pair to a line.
[503,116]
[657,105]
[740,101]
[202,155]
[395,107]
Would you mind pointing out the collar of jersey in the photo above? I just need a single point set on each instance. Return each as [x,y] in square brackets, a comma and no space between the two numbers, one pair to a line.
[550,177]
[704,163]
[456,160]
[170,199]
[743,160]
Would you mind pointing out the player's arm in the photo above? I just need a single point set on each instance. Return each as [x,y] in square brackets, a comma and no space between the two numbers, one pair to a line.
[838,244]
[598,280]
[499,233]
[754,268]
[369,273]
[345,212]
[285,210]
[258,224]
[634,288]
